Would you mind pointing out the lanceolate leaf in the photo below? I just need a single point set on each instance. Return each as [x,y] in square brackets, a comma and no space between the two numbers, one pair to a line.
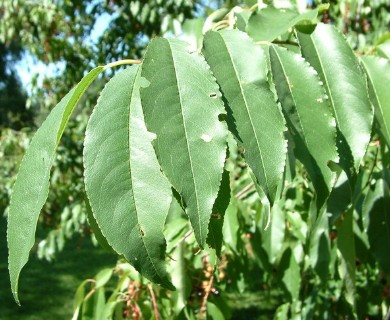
[182,106]
[269,23]
[254,117]
[378,72]
[32,185]
[308,115]
[129,196]
[329,53]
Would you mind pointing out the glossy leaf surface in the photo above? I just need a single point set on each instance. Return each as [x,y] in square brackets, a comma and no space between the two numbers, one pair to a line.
[378,74]
[182,105]
[308,116]
[329,53]
[129,196]
[253,115]
[32,185]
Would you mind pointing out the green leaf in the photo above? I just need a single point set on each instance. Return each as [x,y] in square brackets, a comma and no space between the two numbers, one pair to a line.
[281,312]
[269,23]
[231,226]
[327,51]
[242,19]
[273,236]
[291,275]
[78,299]
[215,237]
[319,246]
[308,116]
[377,211]
[384,49]
[103,277]
[129,196]
[378,73]
[213,312]
[192,32]
[253,114]
[346,246]
[182,106]
[96,229]
[32,184]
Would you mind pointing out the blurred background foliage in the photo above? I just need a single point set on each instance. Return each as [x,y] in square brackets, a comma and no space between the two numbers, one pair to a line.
[252,279]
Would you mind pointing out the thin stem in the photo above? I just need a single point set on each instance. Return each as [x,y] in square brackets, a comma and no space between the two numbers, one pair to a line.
[203,309]
[240,194]
[89,294]
[253,7]
[154,303]
[122,62]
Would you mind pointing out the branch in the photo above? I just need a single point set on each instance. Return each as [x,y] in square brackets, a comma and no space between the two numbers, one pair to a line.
[154,303]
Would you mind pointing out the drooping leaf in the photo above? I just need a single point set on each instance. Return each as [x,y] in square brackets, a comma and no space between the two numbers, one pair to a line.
[327,51]
[378,73]
[215,237]
[182,105]
[376,211]
[346,246]
[129,196]
[308,116]
[32,184]
[319,246]
[273,236]
[269,23]
[254,117]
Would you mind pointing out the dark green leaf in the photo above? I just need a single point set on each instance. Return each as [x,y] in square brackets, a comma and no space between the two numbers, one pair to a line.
[376,210]
[215,237]
[319,246]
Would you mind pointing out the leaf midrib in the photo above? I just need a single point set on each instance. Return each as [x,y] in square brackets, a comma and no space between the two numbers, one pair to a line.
[249,115]
[328,91]
[186,139]
[131,176]
[292,96]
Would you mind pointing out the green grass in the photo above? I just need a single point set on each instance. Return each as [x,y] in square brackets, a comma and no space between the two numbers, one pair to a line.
[47,288]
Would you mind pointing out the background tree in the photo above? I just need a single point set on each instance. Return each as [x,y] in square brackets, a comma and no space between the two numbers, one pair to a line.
[295,245]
